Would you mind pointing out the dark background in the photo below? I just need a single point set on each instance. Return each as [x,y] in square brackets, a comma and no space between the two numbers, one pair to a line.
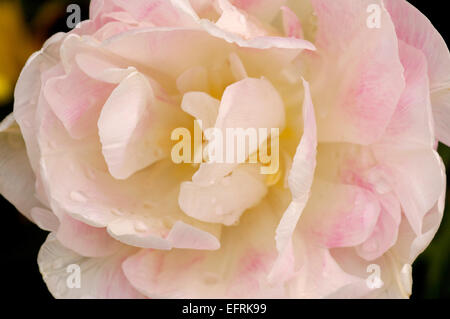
[21,240]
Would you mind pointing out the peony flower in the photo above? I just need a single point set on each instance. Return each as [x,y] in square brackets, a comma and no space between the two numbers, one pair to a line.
[357,89]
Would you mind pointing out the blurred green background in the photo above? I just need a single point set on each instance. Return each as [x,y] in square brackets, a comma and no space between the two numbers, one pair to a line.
[24,26]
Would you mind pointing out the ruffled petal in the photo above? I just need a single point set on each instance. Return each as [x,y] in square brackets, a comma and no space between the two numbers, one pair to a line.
[356,76]
[418,177]
[416,30]
[237,270]
[45,219]
[85,240]
[386,230]
[347,218]
[264,10]
[300,181]
[133,137]
[412,124]
[321,276]
[27,93]
[236,21]
[291,24]
[156,12]
[77,100]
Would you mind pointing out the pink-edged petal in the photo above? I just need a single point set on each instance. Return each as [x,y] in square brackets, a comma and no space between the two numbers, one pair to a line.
[100,278]
[239,38]
[45,219]
[418,178]
[156,12]
[385,233]
[321,276]
[258,42]
[356,76]
[265,10]
[153,47]
[291,24]
[84,239]
[99,68]
[237,270]
[137,13]
[236,21]
[416,30]
[346,218]
[411,124]
[411,244]
[77,100]
[205,9]
[300,181]
[394,275]
[115,28]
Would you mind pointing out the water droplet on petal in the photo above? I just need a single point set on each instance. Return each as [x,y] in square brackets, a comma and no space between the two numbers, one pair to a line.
[140,227]
[117,212]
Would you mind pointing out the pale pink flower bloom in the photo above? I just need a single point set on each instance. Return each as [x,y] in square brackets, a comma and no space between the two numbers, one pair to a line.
[86,153]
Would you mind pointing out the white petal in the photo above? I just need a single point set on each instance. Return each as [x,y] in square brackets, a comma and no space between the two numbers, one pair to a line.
[45,219]
[225,201]
[201,106]
[99,277]
[300,181]
[134,127]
